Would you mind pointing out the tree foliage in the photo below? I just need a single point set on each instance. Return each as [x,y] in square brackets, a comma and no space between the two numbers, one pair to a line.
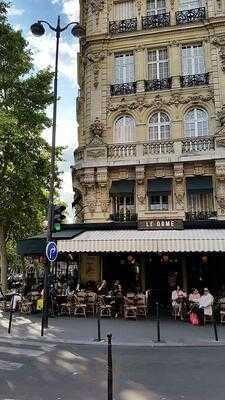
[24,154]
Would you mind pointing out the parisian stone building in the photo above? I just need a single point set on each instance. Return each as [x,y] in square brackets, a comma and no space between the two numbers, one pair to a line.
[151,111]
[151,116]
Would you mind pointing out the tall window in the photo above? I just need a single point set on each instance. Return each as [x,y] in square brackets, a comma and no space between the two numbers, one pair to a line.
[124,10]
[122,200]
[196,123]
[199,194]
[156,7]
[193,62]
[160,194]
[190,4]
[158,65]
[124,130]
[159,126]
[124,67]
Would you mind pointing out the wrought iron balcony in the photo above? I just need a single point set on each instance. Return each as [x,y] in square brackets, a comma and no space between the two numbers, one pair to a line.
[193,15]
[200,215]
[194,80]
[200,144]
[155,21]
[123,88]
[158,84]
[122,26]
[124,217]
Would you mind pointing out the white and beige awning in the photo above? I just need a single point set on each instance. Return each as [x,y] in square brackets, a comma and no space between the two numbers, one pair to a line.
[189,240]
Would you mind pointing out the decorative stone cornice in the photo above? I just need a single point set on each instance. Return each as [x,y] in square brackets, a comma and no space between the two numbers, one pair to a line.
[96,59]
[158,101]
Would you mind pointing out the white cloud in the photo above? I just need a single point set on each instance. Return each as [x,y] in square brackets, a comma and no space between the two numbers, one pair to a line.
[15,12]
[70,8]
[43,50]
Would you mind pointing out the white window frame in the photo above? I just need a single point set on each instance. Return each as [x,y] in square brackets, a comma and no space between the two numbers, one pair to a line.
[124,133]
[158,62]
[159,125]
[124,10]
[196,123]
[124,67]
[200,201]
[189,4]
[193,64]
[156,10]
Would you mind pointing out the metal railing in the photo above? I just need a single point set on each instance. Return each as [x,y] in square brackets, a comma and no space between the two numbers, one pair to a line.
[193,15]
[194,80]
[119,89]
[155,21]
[123,26]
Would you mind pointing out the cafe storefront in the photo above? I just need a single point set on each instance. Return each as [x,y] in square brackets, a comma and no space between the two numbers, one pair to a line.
[156,255]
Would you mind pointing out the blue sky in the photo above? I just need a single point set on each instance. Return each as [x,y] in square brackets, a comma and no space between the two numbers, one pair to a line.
[21,15]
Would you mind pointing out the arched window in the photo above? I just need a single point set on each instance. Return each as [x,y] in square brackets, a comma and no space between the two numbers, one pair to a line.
[159,126]
[196,123]
[124,130]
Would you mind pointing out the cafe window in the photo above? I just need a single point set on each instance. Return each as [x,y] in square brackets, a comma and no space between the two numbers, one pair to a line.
[160,194]
[199,194]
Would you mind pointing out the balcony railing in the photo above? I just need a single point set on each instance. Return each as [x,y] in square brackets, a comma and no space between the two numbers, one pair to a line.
[198,144]
[202,146]
[193,15]
[194,80]
[158,84]
[160,147]
[122,151]
[200,215]
[155,21]
[124,217]
[122,26]
[123,88]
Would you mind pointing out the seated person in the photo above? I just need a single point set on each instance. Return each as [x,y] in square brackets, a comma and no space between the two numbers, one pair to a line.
[194,296]
[102,289]
[205,305]
[178,297]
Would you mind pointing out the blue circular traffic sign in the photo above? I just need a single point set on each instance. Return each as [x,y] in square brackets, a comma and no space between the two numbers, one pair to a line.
[51,251]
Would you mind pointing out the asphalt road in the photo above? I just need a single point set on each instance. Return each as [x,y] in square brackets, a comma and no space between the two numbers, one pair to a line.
[36,371]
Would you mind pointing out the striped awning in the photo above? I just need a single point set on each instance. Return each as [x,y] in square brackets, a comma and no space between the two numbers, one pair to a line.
[189,240]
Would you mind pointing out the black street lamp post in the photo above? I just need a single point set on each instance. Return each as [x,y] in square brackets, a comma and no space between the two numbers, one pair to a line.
[38,30]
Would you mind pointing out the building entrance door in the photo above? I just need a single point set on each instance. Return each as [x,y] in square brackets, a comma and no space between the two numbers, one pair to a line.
[163,273]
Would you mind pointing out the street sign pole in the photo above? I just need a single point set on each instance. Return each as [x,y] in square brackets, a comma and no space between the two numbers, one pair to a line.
[51,255]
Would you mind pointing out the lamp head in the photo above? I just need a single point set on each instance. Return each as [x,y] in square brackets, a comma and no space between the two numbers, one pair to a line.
[78,31]
[37,29]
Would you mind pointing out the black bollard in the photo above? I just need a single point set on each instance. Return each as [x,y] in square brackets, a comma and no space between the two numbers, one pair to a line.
[110,368]
[215,328]
[11,315]
[99,325]
[158,322]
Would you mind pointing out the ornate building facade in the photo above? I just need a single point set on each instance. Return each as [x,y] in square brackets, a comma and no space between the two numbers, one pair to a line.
[151,112]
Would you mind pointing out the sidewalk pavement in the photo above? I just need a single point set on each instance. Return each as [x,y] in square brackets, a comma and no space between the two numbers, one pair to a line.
[125,332]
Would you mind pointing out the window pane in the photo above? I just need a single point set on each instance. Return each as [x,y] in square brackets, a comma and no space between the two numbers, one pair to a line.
[124,10]
[196,123]
[156,7]
[124,130]
[189,4]
[124,68]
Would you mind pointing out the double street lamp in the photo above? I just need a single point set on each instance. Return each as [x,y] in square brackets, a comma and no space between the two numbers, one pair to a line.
[38,30]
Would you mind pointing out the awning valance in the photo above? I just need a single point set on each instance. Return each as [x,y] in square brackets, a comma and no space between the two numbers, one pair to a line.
[159,185]
[199,183]
[122,187]
[190,240]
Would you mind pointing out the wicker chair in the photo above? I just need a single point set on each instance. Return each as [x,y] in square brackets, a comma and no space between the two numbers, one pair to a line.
[141,305]
[91,303]
[104,309]
[80,306]
[130,308]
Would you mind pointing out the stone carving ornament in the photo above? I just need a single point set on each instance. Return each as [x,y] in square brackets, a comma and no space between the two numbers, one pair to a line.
[97,128]
[96,7]
[96,59]
[219,42]
[158,101]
